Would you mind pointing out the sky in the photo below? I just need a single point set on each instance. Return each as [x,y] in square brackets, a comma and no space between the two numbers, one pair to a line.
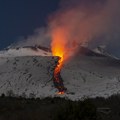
[21,17]
[94,21]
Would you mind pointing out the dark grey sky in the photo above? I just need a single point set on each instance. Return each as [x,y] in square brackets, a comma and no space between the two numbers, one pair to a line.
[22,17]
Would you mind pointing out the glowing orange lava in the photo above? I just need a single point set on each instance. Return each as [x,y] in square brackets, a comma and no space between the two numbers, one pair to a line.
[57,50]
[61,93]
[57,76]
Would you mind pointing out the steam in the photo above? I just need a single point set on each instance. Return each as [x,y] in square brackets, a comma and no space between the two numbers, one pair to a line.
[85,21]
[39,37]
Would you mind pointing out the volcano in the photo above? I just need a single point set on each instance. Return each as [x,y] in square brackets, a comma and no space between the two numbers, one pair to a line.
[29,72]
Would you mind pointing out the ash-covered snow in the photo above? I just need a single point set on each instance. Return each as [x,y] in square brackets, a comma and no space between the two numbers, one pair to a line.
[88,74]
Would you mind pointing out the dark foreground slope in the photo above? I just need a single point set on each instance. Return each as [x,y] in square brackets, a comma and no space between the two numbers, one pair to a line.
[59,109]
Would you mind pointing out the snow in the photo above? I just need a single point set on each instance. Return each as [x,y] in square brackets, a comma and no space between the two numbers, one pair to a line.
[102,50]
[91,77]
[24,52]
[27,75]
[25,72]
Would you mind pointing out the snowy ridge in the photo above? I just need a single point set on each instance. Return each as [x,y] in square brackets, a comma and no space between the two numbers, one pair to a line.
[102,50]
[24,51]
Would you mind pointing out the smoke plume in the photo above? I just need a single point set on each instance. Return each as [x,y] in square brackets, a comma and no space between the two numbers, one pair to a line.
[39,37]
[81,21]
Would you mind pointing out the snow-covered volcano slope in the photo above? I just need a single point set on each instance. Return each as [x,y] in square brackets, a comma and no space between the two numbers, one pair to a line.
[27,75]
[91,75]
[88,74]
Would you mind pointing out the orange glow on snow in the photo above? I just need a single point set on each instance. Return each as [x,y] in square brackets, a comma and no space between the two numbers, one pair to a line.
[60,93]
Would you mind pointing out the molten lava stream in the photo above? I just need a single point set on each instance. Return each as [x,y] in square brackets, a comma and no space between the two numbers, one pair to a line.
[58,82]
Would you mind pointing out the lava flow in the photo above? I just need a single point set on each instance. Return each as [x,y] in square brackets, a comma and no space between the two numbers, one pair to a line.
[58,82]
[59,49]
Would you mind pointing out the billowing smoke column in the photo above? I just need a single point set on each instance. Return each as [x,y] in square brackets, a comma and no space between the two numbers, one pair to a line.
[79,21]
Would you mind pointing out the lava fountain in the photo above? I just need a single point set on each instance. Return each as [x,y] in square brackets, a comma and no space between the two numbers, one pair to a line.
[64,49]
[58,49]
